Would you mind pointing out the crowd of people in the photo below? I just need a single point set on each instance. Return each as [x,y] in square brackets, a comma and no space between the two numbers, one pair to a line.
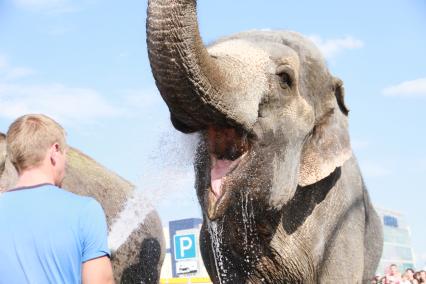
[394,276]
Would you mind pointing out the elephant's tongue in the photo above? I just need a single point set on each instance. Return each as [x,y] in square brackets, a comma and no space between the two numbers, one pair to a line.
[220,169]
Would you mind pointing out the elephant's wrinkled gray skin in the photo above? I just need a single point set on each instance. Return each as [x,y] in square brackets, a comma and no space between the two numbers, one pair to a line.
[141,255]
[282,197]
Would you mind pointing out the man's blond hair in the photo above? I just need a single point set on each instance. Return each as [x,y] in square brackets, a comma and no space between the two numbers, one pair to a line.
[29,137]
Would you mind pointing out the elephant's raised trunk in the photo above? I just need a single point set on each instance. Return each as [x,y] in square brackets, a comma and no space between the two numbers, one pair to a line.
[186,75]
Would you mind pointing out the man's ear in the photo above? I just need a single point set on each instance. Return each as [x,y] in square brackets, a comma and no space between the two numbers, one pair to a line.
[54,149]
[329,146]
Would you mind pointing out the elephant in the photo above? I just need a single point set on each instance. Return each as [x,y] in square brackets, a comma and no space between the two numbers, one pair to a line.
[137,245]
[281,194]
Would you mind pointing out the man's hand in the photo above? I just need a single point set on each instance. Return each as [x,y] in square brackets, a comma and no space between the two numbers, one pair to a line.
[97,271]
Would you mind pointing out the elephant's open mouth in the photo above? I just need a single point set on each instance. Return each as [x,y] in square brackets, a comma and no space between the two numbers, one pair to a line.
[227,148]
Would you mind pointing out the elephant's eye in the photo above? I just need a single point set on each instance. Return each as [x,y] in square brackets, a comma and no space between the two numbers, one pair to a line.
[285,80]
[285,76]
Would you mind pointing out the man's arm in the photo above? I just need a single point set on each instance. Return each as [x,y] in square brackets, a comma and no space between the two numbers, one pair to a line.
[97,271]
[96,265]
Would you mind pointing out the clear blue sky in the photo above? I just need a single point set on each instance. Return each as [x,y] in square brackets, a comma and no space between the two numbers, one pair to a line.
[85,63]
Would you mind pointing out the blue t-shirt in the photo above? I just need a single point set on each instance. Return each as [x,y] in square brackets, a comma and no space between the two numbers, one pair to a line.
[46,233]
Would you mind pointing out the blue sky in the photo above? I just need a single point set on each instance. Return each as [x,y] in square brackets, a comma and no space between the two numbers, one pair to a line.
[84,62]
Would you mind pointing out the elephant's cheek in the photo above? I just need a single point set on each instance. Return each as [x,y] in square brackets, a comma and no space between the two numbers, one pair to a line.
[298,117]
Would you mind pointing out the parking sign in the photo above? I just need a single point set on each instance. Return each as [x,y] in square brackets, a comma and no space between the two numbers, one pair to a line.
[185,246]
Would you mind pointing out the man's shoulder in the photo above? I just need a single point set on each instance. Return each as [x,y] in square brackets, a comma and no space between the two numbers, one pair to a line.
[68,196]
[84,207]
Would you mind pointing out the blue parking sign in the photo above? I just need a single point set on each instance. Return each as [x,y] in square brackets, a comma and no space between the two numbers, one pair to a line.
[185,246]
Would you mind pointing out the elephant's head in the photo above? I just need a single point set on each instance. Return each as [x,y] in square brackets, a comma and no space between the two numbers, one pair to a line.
[270,114]
[2,153]
[8,173]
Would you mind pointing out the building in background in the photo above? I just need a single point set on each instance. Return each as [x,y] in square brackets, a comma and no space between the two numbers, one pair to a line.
[397,241]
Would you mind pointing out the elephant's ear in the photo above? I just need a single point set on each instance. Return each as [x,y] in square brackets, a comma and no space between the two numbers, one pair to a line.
[328,147]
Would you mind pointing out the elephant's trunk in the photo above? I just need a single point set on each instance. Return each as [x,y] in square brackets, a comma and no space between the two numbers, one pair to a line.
[189,79]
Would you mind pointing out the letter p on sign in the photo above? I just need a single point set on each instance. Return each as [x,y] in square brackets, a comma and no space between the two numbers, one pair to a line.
[185,246]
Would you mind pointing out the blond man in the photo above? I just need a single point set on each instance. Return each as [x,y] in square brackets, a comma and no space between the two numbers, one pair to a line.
[48,235]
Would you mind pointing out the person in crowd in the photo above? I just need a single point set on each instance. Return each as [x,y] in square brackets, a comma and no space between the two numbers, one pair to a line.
[47,234]
[392,276]
[417,276]
[422,276]
[408,277]
[377,279]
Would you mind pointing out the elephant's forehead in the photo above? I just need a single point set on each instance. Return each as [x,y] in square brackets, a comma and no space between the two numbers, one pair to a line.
[281,53]
[245,52]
